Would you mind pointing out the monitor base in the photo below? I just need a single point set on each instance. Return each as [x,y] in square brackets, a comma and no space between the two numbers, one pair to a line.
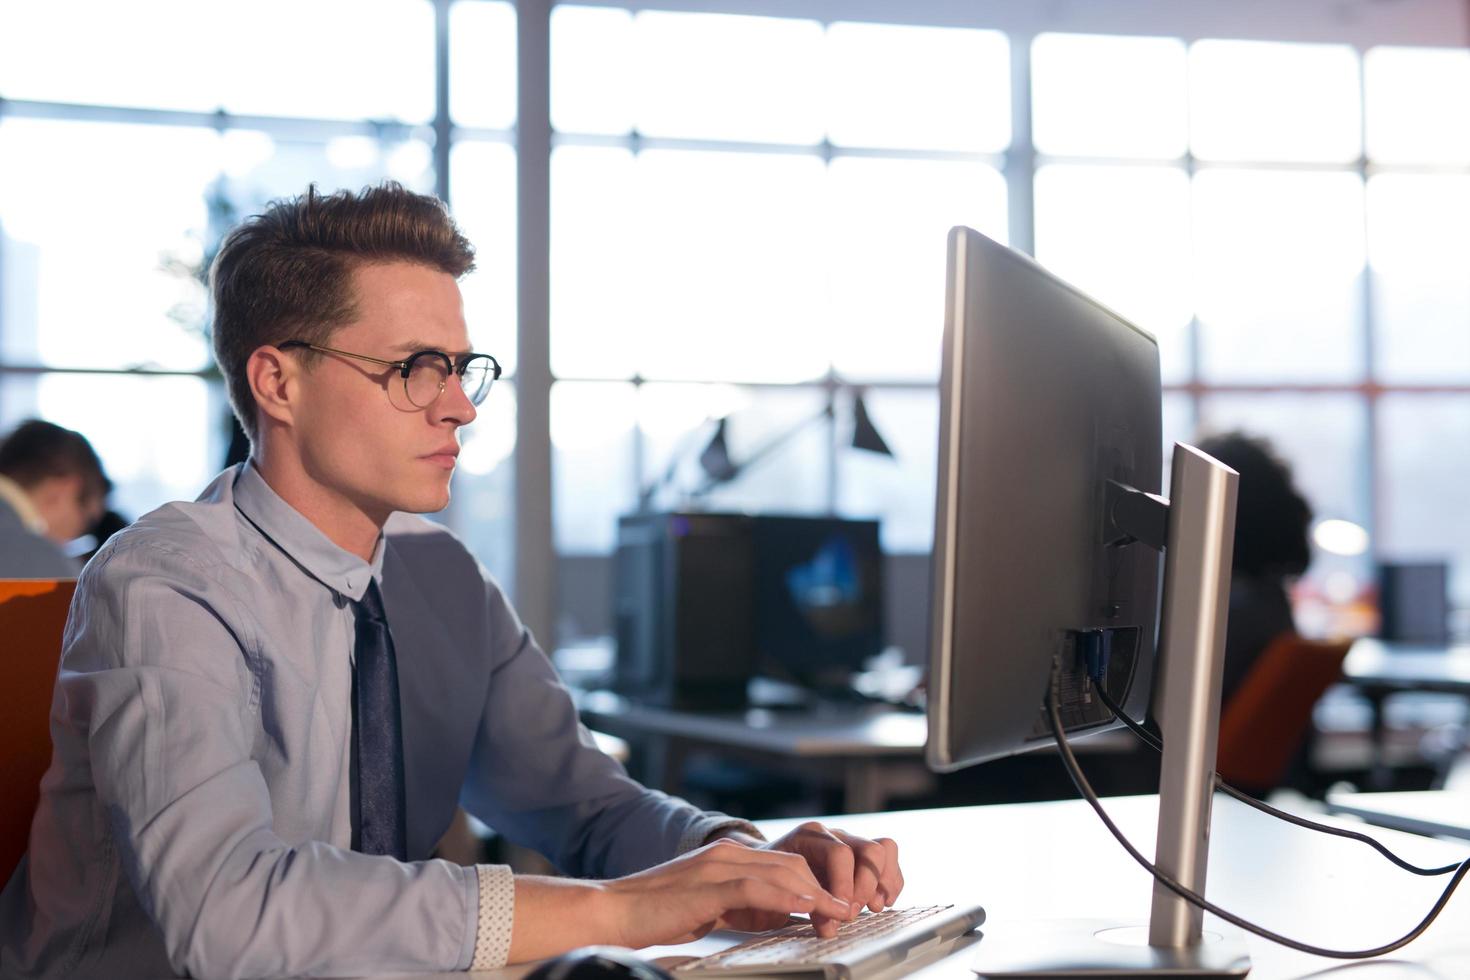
[1101,948]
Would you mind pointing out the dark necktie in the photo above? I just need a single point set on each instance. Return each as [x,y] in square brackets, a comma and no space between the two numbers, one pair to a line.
[380,824]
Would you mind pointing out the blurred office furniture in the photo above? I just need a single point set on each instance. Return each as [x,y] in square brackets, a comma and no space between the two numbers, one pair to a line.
[1379,671]
[869,752]
[1266,719]
[1433,813]
[1413,602]
[704,602]
[32,618]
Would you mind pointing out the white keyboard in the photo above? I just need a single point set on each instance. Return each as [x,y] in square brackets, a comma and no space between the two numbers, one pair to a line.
[870,943]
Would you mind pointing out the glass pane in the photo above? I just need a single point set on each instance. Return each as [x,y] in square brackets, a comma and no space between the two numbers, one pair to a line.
[347,59]
[932,88]
[738,78]
[1419,251]
[1415,105]
[898,489]
[1093,95]
[167,445]
[1121,235]
[1255,100]
[1277,260]
[591,464]
[102,245]
[596,315]
[1323,438]
[789,477]
[259,169]
[1424,473]
[1179,426]
[482,64]
[482,182]
[886,240]
[720,297]
[483,510]
[591,85]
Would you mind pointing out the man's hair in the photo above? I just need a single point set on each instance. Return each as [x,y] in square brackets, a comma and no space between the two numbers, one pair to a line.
[1272,518]
[36,451]
[286,274]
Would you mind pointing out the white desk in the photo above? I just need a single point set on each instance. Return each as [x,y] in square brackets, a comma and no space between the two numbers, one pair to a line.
[1436,813]
[1056,860]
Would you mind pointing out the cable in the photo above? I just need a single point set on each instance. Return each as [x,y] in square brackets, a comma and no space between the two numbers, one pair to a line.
[1150,740]
[1074,771]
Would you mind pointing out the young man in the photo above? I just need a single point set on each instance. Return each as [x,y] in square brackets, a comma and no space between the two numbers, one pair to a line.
[272,699]
[52,489]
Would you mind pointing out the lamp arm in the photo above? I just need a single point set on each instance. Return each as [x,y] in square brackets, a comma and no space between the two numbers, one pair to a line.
[769,448]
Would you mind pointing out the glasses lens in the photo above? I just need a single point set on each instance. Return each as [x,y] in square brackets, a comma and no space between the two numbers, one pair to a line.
[475,378]
[427,373]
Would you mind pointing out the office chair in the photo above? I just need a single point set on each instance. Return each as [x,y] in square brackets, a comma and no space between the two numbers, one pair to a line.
[32,618]
[1264,723]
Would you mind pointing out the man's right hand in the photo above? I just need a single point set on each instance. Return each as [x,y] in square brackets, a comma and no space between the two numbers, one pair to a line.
[723,884]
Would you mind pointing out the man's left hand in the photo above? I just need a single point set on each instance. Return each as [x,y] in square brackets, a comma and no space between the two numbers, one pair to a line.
[857,870]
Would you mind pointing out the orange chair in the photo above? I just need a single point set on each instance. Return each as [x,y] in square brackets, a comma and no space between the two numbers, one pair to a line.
[1265,721]
[32,617]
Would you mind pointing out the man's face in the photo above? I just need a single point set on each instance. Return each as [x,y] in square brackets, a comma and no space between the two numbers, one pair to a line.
[358,434]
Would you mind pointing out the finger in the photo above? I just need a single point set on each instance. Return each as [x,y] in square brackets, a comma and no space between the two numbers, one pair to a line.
[757,893]
[869,859]
[832,860]
[890,882]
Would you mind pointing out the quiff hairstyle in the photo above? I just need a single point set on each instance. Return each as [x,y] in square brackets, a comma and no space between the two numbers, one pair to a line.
[286,273]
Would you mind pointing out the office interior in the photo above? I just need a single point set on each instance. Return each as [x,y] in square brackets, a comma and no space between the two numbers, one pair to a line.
[728,218]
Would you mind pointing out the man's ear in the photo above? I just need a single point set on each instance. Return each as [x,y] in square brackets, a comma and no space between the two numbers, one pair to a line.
[274,380]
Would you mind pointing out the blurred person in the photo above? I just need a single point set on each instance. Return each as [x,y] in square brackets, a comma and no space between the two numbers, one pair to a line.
[52,491]
[1272,548]
[272,699]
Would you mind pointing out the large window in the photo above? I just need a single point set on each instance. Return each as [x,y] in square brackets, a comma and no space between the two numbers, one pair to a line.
[747,220]
[1289,219]
[122,165]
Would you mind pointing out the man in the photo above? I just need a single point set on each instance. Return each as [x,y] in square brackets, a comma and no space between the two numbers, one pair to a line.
[251,765]
[52,489]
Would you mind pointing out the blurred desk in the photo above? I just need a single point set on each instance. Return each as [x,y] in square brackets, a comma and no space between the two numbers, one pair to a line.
[1046,860]
[867,748]
[1379,670]
[1434,813]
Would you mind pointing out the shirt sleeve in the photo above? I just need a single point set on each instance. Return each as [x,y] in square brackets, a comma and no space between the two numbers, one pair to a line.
[497,891]
[160,687]
[537,776]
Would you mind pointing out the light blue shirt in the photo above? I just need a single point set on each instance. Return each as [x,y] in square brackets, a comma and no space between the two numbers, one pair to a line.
[195,817]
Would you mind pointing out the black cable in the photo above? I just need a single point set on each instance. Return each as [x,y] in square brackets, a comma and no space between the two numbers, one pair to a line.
[1148,738]
[1199,901]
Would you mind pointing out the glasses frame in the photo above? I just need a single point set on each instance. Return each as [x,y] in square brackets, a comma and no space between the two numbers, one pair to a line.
[455,366]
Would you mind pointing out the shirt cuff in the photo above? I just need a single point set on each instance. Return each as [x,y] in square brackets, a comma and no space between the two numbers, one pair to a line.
[701,829]
[497,912]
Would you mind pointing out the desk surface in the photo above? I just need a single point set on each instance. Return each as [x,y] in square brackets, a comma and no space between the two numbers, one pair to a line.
[1433,812]
[1405,667]
[1056,860]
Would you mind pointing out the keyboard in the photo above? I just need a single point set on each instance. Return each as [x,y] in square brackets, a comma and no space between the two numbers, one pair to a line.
[872,942]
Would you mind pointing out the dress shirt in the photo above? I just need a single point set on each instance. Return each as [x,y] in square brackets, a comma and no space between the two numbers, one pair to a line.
[25,551]
[195,818]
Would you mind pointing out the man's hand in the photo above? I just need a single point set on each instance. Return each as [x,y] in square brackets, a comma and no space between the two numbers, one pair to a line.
[724,883]
[854,869]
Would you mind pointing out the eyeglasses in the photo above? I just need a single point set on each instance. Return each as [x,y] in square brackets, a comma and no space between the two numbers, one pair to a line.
[425,373]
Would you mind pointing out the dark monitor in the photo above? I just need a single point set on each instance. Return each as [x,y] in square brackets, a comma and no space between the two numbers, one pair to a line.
[818,598]
[1047,399]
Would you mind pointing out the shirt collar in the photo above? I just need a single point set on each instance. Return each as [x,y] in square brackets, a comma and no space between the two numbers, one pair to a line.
[287,528]
[20,501]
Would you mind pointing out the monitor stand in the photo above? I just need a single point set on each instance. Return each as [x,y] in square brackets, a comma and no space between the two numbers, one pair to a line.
[1200,522]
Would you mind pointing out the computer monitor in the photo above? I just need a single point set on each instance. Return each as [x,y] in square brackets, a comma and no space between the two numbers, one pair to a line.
[818,599]
[1046,572]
